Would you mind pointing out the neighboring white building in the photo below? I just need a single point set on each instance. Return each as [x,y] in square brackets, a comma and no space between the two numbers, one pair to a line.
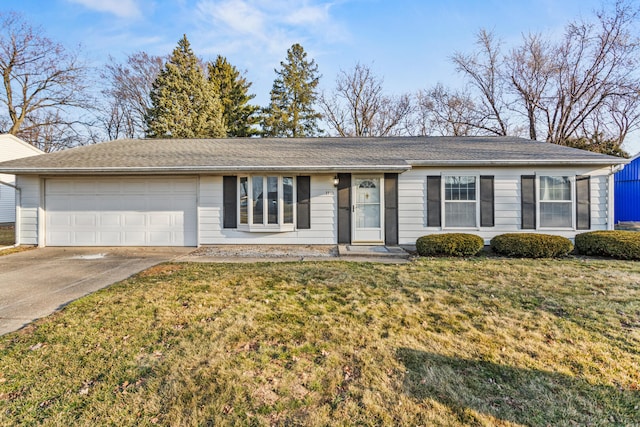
[370,191]
[11,148]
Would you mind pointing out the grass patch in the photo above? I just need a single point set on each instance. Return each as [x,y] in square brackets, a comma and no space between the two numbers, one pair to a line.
[435,342]
[7,235]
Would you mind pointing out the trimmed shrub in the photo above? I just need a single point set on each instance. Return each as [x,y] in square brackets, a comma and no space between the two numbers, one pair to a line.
[452,244]
[612,243]
[531,245]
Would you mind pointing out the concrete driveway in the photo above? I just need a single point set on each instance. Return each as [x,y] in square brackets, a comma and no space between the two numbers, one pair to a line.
[36,283]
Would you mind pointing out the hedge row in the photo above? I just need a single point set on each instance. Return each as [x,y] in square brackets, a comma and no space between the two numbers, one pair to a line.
[523,245]
[614,243]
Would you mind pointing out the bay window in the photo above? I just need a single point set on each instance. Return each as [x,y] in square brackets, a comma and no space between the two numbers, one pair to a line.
[266,202]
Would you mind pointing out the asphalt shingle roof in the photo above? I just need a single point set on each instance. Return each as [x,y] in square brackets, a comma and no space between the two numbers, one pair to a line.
[331,154]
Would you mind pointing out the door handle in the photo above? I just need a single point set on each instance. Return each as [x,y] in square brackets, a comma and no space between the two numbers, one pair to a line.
[353,208]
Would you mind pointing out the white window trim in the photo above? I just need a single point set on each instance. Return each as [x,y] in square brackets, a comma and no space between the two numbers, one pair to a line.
[443,202]
[572,188]
[265,227]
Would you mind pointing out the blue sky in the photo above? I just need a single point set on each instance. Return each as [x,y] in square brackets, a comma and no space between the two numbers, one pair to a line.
[407,42]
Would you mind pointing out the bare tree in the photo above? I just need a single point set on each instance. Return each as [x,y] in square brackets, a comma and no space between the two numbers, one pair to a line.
[596,69]
[127,94]
[43,83]
[49,131]
[445,112]
[358,106]
[530,68]
[483,71]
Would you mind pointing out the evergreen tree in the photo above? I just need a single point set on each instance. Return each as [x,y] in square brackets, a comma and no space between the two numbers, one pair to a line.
[183,103]
[233,89]
[291,111]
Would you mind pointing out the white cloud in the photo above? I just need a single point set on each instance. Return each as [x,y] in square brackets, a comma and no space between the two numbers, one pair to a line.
[120,8]
[269,26]
[237,15]
[309,15]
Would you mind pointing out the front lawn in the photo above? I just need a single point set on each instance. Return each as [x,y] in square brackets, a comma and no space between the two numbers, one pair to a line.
[486,341]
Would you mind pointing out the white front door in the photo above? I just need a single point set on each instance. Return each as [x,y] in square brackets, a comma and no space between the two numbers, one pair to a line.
[368,210]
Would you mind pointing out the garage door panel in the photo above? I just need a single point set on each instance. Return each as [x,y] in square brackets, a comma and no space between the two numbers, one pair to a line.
[156,237]
[121,212]
[57,220]
[110,238]
[85,220]
[108,220]
[133,238]
[160,220]
[134,219]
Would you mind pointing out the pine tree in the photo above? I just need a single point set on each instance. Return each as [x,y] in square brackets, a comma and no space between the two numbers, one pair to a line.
[183,103]
[233,89]
[291,111]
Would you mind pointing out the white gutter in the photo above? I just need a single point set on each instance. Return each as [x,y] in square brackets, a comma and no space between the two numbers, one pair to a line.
[196,169]
[621,161]
[17,202]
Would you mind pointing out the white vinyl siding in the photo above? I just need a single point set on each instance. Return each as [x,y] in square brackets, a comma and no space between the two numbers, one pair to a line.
[323,229]
[507,198]
[29,205]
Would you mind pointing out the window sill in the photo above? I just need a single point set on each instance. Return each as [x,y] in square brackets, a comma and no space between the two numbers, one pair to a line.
[266,228]
[556,229]
[462,228]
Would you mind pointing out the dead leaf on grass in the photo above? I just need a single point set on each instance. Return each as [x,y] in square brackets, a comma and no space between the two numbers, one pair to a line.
[37,346]
[161,270]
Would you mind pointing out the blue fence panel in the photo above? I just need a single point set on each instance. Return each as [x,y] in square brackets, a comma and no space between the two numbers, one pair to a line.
[627,192]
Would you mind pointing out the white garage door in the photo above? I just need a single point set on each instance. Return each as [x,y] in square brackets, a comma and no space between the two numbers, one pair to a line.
[120,211]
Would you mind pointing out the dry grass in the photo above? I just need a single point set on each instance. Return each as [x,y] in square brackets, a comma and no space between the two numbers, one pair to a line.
[434,342]
[7,235]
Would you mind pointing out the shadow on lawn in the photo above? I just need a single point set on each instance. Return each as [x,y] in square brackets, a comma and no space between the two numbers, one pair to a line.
[529,397]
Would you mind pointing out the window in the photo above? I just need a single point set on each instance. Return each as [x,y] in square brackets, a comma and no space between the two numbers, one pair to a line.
[555,201]
[266,202]
[460,201]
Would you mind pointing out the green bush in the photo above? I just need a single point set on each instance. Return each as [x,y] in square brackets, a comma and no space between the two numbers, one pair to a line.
[531,245]
[452,244]
[615,244]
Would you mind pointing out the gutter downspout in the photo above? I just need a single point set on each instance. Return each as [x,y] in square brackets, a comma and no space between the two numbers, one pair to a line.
[18,199]
[611,205]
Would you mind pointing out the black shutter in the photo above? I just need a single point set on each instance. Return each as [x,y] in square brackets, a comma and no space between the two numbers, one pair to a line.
[583,202]
[528,200]
[391,208]
[230,201]
[303,202]
[433,201]
[487,209]
[344,208]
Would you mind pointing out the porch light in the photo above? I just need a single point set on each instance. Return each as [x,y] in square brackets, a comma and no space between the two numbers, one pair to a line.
[336,181]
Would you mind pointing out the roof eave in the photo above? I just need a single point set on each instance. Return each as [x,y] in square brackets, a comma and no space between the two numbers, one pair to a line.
[180,170]
[527,162]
